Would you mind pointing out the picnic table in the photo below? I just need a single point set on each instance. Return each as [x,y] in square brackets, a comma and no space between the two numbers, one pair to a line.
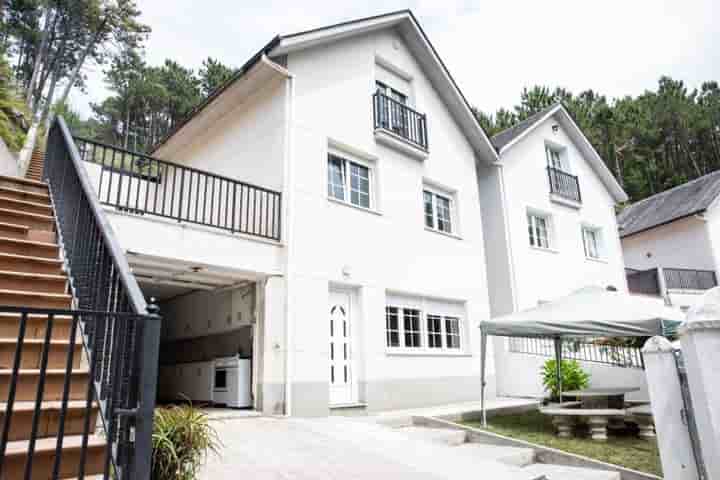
[610,397]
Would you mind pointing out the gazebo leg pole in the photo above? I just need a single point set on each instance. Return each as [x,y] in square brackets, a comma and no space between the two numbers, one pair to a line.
[558,366]
[483,350]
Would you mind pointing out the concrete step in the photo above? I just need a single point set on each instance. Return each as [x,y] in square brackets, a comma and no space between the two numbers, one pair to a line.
[35,326]
[561,472]
[27,384]
[10,262]
[32,220]
[20,194]
[44,457]
[437,435]
[49,420]
[25,205]
[23,298]
[33,281]
[32,353]
[29,248]
[515,456]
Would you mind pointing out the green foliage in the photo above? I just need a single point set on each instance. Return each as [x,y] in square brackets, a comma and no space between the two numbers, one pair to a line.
[573,377]
[213,74]
[12,109]
[182,439]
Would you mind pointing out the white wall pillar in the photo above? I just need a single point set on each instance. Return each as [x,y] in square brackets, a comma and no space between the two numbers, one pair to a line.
[271,330]
[700,341]
[673,438]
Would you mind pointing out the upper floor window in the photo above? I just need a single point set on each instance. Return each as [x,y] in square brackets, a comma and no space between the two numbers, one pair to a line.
[592,242]
[391,92]
[539,230]
[556,158]
[349,181]
[438,211]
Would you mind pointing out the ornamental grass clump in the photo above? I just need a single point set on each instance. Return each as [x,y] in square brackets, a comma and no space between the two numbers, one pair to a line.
[182,439]
[572,375]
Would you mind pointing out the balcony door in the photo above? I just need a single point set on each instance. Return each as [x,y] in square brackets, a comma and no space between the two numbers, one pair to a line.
[393,114]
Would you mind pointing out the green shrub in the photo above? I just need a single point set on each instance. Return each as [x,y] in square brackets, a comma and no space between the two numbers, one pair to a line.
[11,105]
[573,377]
[182,440]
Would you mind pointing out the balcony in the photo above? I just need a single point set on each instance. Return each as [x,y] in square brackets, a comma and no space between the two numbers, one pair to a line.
[142,185]
[564,186]
[399,125]
[648,282]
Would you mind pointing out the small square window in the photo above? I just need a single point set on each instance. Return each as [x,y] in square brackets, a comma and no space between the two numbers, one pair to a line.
[437,210]
[349,181]
[538,230]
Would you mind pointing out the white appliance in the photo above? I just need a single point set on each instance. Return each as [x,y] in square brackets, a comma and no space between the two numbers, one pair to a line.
[232,382]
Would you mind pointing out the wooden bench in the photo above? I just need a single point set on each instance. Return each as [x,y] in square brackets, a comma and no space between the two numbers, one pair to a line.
[597,419]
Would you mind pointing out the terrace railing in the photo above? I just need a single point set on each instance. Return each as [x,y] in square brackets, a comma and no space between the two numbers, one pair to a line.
[396,117]
[687,279]
[144,185]
[564,184]
[615,355]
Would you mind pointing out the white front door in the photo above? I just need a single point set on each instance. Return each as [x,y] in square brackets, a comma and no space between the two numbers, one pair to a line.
[341,375]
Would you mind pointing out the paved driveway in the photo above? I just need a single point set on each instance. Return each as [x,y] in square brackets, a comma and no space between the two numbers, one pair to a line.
[267,448]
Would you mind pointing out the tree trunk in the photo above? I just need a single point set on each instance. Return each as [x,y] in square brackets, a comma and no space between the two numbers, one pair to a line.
[49,20]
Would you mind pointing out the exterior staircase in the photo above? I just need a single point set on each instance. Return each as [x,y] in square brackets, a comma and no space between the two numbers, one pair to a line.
[35,169]
[32,276]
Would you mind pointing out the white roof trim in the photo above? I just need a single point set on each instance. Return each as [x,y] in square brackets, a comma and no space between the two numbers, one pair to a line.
[596,162]
[406,22]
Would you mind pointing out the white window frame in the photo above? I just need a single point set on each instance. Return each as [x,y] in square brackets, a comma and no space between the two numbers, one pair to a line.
[452,210]
[597,234]
[347,162]
[560,151]
[531,218]
[425,314]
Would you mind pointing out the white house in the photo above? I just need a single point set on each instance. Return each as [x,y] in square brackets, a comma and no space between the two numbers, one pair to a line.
[329,230]
[548,207]
[671,241]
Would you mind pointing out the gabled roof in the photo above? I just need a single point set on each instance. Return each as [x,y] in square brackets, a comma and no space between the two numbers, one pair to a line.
[679,202]
[418,43]
[509,137]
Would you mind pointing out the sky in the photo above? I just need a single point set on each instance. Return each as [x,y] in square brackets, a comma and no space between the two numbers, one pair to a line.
[493,48]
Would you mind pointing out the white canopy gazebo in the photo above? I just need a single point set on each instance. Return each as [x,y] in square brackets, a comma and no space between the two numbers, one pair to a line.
[588,312]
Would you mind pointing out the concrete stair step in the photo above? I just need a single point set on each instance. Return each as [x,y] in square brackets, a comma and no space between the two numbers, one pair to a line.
[20,194]
[11,262]
[25,205]
[44,457]
[30,248]
[23,298]
[27,383]
[562,472]
[437,435]
[49,420]
[32,353]
[29,185]
[32,220]
[35,326]
[33,281]
[515,456]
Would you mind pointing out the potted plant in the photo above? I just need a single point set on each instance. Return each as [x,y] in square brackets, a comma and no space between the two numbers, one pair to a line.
[572,376]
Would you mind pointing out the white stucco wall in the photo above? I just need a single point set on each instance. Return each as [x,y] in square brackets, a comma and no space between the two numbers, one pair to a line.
[684,243]
[385,250]
[8,162]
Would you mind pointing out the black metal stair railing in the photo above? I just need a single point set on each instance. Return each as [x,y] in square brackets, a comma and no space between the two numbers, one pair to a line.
[120,333]
[144,185]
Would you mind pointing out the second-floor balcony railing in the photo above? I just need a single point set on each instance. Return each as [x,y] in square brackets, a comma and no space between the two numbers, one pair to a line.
[144,185]
[398,118]
[687,279]
[564,184]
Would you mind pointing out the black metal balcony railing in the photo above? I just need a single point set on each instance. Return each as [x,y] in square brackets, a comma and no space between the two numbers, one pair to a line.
[396,117]
[687,279]
[564,184]
[141,184]
[583,351]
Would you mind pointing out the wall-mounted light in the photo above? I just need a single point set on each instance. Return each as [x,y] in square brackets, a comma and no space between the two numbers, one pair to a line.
[555,128]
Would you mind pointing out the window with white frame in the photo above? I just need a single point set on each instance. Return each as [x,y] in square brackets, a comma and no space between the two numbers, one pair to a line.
[438,210]
[592,242]
[556,158]
[424,326]
[349,181]
[538,230]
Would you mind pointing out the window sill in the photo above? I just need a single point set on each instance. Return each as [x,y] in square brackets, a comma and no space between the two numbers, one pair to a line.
[424,352]
[356,207]
[446,234]
[598,260]
[545,250]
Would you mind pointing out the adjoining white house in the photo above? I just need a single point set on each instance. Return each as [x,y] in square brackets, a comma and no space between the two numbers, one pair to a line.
[320,216]
[549,223]
[671,241]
